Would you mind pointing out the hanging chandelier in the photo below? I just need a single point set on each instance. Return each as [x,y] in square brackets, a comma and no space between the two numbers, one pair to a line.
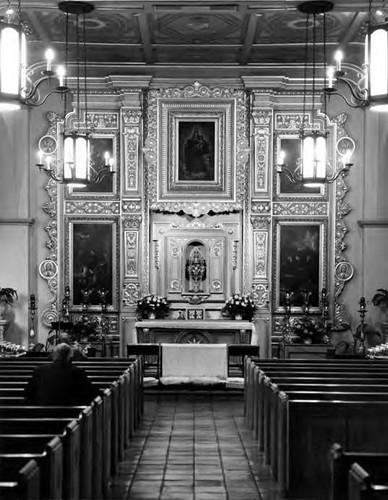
[314,170]
[369,87]
[15,88]
[72,163]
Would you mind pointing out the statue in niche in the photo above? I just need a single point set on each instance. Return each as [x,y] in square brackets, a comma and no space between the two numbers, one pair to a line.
[195,270]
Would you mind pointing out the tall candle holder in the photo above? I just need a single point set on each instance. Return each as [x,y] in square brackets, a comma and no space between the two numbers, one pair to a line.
[286,328]
[360,349]
[306,294]
[31,334]
[325,310]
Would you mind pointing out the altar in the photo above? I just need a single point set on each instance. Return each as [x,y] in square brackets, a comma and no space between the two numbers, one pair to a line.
[195,332]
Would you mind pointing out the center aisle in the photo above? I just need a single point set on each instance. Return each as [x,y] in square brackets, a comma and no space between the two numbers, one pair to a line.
[193,446]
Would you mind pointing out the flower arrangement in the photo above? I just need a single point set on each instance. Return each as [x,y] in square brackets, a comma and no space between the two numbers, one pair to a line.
[309,331]
[240,305]
[153,304]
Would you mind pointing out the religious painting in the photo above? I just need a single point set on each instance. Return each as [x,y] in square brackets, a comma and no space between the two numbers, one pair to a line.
[289,148]
[92,262]
[102,162]
[300,258]
[197,155]
[196,151]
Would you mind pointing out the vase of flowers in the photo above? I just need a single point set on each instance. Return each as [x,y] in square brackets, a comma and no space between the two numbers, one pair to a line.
[240,307]
[152,306]
[308,330]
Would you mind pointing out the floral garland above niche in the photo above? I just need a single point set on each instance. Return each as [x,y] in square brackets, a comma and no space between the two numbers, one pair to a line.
[196,149]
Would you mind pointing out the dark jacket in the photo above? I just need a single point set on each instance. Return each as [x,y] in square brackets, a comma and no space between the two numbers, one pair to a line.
[59,383]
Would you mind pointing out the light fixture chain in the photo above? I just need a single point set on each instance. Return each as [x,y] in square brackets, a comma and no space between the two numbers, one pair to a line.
[78,70]
[305,72]
[85,70]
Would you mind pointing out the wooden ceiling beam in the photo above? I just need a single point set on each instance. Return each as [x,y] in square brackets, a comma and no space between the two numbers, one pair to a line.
[248,40]
[145,37]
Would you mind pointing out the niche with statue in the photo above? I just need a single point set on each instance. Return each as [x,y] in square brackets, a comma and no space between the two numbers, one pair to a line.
[196,261]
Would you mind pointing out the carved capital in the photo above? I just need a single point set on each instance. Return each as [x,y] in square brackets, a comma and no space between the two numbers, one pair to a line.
[260,222]
[131,116]
[132,222]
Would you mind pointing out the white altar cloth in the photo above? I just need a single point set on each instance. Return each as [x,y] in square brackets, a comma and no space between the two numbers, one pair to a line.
[195,360]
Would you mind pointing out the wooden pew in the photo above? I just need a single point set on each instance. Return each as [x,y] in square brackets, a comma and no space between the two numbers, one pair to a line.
[128,402]
[325,375]
[50,463]
[67,429]
[361,486]
[127,418]
[84,416]
[307,428]
[340,464]
[20,482]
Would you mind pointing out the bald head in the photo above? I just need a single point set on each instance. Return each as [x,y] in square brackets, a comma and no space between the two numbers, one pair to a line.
[62,352]
[64,338]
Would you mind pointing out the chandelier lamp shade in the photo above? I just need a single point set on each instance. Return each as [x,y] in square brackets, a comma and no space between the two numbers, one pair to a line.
[71,166]
[313,169]
[15,88]
[12,61]
[371,88]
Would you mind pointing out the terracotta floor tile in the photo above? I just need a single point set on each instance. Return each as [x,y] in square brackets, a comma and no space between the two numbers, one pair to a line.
[193,447]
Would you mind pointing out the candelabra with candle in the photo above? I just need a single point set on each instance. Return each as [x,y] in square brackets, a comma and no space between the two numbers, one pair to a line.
[325,310]
[287,328]
[359,348]
[32,308]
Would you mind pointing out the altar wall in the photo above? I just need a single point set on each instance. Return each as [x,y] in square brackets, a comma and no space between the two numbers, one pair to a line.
[237,211]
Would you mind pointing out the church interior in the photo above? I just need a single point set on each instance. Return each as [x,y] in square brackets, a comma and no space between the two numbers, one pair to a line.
[198,205]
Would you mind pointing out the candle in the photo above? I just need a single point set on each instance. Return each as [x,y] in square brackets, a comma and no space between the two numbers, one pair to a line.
[330,76]
[61,75]
[49,57]
[107,158]
[111,164]
[40,157]
[282,157]
[346,157]
[338,58]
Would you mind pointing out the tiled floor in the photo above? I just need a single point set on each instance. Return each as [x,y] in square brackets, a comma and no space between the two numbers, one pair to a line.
[193,447]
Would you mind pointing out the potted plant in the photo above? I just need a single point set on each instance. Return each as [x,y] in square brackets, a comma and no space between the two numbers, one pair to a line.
[380,300]
[7,297]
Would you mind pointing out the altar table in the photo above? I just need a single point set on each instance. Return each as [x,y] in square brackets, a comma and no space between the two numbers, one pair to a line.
[196,331]
[195,360]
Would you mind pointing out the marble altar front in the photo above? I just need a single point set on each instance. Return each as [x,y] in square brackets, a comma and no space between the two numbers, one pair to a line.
[195,332]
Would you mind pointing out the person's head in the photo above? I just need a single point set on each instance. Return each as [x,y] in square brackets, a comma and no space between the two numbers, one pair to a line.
[64,338]
[63,353]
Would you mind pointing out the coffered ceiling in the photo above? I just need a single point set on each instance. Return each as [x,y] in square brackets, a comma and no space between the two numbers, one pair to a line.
[195,38]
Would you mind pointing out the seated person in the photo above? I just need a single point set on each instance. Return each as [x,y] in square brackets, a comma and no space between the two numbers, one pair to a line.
[78,355]
[60,382]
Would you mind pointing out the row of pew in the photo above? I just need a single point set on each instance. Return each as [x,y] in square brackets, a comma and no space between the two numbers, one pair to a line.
[322,425]
[54,452]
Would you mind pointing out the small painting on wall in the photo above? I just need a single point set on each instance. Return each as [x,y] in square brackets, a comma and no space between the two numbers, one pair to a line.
[299,261]
[92,262]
